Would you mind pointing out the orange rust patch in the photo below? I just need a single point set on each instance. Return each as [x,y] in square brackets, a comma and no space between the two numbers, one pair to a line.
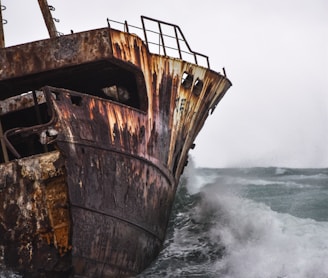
[57,203]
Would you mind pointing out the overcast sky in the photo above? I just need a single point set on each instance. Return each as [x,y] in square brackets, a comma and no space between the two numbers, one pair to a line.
[275,52]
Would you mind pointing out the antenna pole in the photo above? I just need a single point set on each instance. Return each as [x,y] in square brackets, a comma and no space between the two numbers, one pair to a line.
[2,36]
[48,18]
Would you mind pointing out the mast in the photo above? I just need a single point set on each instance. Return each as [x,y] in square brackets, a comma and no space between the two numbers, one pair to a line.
[2,22]
[48,18]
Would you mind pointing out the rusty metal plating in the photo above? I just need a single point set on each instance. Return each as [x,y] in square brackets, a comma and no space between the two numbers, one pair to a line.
[95,135]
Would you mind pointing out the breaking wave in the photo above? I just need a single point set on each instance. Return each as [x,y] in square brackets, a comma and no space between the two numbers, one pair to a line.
[227,226]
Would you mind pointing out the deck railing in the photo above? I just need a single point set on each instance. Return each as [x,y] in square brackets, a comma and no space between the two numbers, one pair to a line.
[165,39]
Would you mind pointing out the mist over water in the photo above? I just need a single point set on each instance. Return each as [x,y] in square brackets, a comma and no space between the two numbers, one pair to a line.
[248,223]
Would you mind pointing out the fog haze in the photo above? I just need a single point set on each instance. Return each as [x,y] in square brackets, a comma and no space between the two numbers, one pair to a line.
[275,53]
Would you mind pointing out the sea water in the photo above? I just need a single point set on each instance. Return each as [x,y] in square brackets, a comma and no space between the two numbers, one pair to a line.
[248,223]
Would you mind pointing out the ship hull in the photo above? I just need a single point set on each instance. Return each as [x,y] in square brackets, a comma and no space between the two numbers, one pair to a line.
[90,208]
[90,224]
[94,138]
[35,219]
[120,209]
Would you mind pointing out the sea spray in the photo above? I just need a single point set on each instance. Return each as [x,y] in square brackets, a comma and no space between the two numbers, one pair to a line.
[248,223]
[260,242]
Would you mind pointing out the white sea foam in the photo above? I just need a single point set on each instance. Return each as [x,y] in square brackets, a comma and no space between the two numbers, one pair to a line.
[281,171]
[261,243]
[195,181]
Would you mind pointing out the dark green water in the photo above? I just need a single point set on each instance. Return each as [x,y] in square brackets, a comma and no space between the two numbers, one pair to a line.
[248,223]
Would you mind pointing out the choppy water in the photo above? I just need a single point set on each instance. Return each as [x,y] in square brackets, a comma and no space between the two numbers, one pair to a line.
[248,223]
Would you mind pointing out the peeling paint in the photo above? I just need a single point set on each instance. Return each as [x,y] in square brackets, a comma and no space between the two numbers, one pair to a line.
[90,178]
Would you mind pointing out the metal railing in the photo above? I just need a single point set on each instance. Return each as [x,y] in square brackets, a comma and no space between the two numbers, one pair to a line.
[24,132]
[165,39]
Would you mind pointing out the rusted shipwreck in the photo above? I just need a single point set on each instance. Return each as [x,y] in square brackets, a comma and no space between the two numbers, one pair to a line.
[95,131]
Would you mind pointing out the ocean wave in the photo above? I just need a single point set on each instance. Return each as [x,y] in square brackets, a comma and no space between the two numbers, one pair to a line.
[218,232]
[260,242]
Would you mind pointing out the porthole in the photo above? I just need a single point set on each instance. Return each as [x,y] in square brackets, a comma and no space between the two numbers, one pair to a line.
[198,86]
[76,100]
[187,80]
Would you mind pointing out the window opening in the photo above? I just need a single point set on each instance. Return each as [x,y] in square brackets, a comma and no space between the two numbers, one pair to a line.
[198,86]
[187,80]
[76,100]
